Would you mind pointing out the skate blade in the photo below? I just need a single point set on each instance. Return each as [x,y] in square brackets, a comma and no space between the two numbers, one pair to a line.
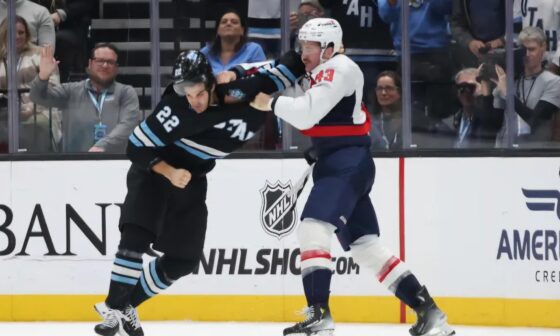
[444,330]
[328,332]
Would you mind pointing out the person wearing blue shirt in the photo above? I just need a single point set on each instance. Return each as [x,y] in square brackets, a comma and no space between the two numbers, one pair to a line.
[427,23]
[230,46]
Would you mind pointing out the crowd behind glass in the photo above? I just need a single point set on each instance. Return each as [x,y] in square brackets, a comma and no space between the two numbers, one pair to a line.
[452,66]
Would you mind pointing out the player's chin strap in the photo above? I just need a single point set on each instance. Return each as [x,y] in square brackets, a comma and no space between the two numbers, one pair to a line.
[311,158]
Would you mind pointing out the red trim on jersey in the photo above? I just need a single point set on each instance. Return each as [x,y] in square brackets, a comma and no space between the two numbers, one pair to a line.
[251,71]
[389,266]
[327,131]
[305,255]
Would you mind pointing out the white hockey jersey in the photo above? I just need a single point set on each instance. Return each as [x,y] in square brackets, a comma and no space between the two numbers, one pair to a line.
[330,110]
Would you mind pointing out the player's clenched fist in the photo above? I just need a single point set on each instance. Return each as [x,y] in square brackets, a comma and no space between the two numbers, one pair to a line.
[261,102]
[180,177]
[226,77]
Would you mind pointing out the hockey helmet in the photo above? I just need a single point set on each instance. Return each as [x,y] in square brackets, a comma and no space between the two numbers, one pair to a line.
[191,67]
[323,30]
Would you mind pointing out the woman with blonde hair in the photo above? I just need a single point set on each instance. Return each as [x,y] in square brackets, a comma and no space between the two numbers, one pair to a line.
[34,119]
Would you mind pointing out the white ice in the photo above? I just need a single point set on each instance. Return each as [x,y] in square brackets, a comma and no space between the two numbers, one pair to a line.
[187,328]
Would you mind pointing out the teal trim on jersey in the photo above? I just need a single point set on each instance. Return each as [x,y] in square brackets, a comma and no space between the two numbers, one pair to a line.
[151,134]
[196,152]
[286,72]
[135,140]
[274,78]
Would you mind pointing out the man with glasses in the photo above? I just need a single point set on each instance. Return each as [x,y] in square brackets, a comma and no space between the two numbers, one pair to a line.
[99,113]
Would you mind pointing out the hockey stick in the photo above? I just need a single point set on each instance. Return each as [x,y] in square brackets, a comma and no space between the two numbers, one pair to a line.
[296,190]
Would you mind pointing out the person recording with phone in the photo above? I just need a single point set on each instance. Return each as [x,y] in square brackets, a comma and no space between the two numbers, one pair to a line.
[536,95]
[476,122]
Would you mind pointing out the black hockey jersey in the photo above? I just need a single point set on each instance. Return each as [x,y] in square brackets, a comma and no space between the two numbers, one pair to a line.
[185,139]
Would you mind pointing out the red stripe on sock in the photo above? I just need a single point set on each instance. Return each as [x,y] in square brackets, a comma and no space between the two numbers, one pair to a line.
[305,255]
[393,262]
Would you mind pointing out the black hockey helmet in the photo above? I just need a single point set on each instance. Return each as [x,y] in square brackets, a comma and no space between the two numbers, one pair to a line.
[191,67]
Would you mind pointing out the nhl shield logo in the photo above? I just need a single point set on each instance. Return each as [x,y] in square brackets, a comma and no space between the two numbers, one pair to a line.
[278,213]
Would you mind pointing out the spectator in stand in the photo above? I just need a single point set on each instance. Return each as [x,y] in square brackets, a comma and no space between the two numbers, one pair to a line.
[544,14]
[478,26]
[307,10]
[38,20]
[537,95]
[367,40]
[99,113]
[34,134]
[71,19]
[477,122]
[387,107]
[57,8]
[431,64]
[72,38]
[263,23]
[230,46]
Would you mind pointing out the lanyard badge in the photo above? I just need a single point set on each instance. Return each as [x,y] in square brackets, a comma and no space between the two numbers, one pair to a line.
[99,129]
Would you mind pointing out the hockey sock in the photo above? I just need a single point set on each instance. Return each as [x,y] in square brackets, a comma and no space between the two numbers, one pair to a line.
[317,287]
[127,268]
[152,282]
[407,291]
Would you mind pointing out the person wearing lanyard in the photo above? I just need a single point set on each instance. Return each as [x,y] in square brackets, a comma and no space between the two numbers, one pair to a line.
[99,129]
[537,95]
[99,113]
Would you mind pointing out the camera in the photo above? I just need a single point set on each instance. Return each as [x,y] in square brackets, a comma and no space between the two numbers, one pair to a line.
[493,57]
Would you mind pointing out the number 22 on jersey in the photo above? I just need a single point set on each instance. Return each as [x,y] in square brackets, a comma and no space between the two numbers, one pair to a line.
[168,121]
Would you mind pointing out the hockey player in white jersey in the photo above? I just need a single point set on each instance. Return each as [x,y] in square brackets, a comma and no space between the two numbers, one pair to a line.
[331,112]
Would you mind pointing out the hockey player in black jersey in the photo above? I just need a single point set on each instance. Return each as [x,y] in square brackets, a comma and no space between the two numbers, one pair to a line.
[171,153]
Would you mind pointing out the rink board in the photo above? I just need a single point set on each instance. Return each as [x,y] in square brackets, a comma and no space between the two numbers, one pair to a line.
[483,234]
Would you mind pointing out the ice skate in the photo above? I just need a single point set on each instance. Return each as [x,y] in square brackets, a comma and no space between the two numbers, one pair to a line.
[124,322]
[110,325]
[130,323]
[431,320]
[318,322]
